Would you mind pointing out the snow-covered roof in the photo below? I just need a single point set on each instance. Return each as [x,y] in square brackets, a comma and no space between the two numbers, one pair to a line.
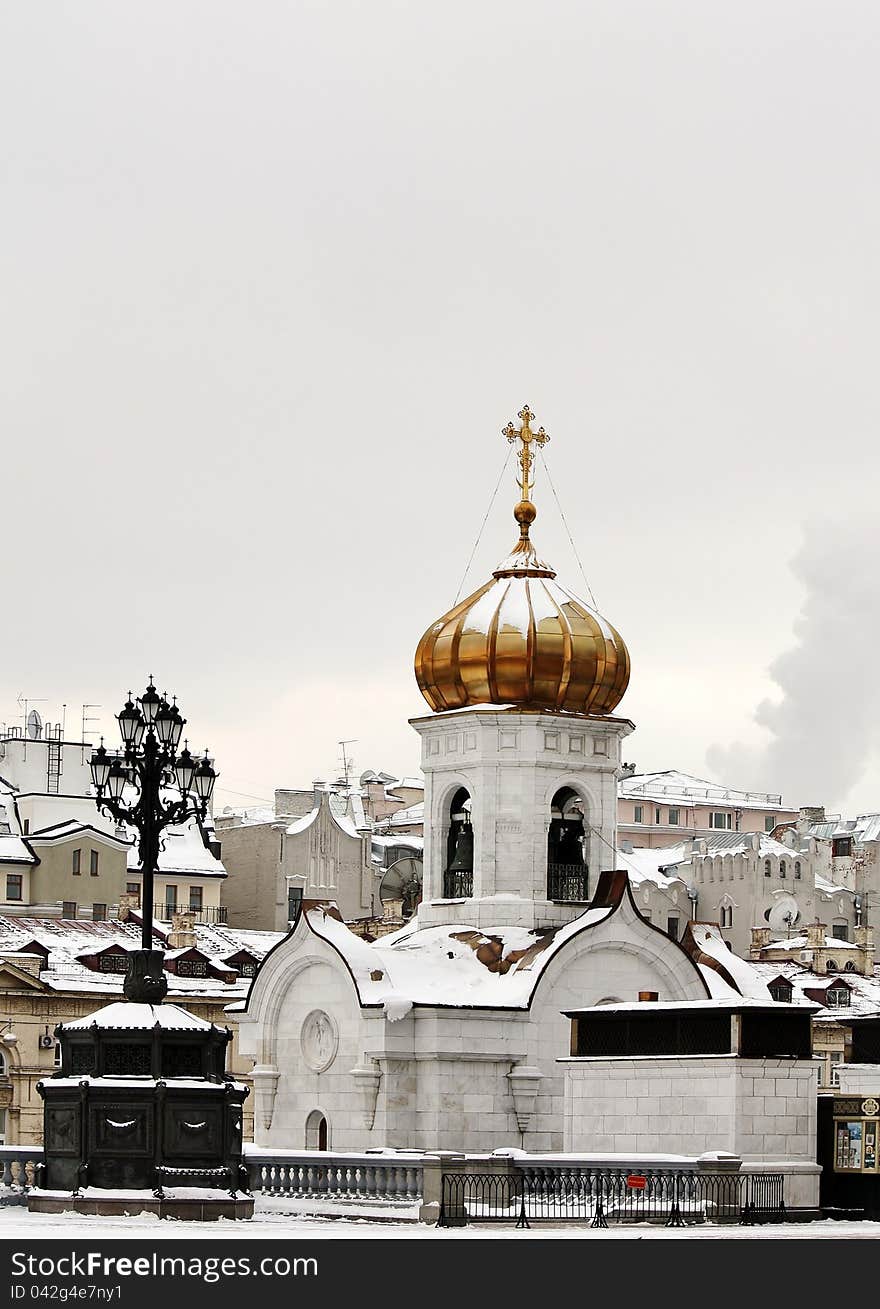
[864,996]
[439,965]
[129,1014]
[183,850]
[67,940]
[646,865]
[688,790]
[707,937]
[14,851]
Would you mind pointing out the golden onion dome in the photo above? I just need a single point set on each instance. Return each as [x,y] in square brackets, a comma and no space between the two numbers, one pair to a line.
[522,638]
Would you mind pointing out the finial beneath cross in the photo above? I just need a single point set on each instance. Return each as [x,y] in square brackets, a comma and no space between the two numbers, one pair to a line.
[527,436]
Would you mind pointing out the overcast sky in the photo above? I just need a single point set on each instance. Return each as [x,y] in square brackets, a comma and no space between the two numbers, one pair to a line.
[275,275]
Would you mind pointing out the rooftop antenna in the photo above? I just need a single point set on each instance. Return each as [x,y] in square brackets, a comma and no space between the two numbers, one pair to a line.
[346,763]
[86,719]
[26,708]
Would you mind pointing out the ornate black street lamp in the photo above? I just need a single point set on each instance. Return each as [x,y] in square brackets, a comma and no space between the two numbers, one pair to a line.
[149,785]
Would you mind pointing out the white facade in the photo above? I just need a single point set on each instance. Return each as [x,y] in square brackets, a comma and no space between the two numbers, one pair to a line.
[512,762]
[421,1045]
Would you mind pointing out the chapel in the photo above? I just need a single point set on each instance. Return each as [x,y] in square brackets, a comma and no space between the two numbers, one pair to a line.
[451,1033]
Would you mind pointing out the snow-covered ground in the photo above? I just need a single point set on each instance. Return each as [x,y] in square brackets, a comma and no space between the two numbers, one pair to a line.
[16,1223]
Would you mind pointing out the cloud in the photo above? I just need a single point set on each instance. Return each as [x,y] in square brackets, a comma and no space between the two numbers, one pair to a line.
[820,733]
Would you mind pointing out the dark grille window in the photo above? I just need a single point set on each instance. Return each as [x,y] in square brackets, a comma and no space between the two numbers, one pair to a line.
[782,992]
[182,1061]
[192,968]
[657,1034]
[114,963]
[126,1059]
[82,1058]
[779,1034]
[247,969]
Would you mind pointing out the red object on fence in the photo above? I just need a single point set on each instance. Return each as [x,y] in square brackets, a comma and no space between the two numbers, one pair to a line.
[636,1183]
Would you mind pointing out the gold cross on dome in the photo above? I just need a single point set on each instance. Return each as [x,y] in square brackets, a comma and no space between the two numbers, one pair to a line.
[527,436]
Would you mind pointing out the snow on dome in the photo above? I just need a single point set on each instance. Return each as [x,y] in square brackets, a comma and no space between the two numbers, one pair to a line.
[130,1015]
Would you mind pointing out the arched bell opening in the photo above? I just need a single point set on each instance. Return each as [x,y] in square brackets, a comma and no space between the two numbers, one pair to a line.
[566,841]
[458,876]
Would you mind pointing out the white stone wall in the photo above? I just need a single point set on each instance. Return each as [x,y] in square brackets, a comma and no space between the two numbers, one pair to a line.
[512,763]
[760,1109]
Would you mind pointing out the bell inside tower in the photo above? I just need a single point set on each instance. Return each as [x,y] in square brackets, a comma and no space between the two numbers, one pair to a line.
[458,877]
[566,841]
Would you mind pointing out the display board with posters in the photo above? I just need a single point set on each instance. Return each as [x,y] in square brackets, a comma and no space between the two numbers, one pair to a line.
[856,1126]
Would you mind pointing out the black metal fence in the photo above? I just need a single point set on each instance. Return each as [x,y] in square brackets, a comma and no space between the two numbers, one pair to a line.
[599,1196]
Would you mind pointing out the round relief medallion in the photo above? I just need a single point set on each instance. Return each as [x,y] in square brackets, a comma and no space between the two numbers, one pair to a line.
[319,1040]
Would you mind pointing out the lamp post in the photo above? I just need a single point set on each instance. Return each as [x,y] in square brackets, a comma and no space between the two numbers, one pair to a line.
[149,785]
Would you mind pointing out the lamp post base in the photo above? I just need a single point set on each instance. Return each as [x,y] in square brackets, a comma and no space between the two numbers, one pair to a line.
[145,982]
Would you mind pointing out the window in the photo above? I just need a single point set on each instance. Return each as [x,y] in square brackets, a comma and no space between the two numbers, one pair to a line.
[831,966]
[727,915]
[840,931]
[192,968]
[646,914]
[26,826]
[133,888]
[247,969]
[13,886]
[797,870]
[767,868]
[99,913]
[781,867]
[637,814]
[93,863]
[114,963]
[674,817]
[782,992]
[837,997]
[769,823]
[2,1126]
[841,848]
[170,900]
[294,902]
[75,862]
[658,815]
[57,1054]
[672,927]
[68,909]
[195,898]
[722,820]
[3,1070]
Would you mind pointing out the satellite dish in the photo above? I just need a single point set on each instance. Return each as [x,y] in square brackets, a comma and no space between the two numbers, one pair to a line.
[403,882]
[784,914]
[34,725]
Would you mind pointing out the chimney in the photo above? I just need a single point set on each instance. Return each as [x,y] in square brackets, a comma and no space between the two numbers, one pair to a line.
[812,813]
[183,930]
[127,901]
[864,939]
[761,936]
[816,933]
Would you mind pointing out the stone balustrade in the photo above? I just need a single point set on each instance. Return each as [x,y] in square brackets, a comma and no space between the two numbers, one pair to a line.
[17,1164]
[395,1177]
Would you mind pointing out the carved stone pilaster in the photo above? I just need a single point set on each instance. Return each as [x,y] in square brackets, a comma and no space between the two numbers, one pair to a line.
[367,1077]
[265,1079]
[524,1081]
